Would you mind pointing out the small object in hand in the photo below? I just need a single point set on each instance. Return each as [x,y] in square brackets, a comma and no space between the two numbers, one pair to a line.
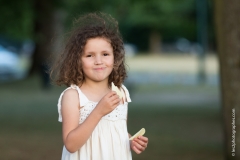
[115,88]
[139,133]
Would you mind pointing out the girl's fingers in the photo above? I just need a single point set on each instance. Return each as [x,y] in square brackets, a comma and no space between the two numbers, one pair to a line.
[139,141]
[138,146]
[115,99]
[111,94]
[136,150]
[144,139]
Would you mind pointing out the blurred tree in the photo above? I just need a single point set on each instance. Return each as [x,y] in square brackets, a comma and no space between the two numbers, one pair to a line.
[32,19]
[140,21]
[44,25]
[202,37]
[228,40]
[16,19]
[144,22]
[43,31]
[119,9]
[160,16]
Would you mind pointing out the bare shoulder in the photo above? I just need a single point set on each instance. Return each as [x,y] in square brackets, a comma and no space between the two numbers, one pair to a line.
[70,93]
[70,99]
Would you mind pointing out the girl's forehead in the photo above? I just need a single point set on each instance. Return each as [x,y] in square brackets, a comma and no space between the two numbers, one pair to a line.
[98,41]
[102,38]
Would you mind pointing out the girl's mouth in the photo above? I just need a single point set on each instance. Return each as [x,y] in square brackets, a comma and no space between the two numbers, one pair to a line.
[99,69]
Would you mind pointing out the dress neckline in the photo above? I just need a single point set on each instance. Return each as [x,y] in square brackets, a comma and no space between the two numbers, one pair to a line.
[124,102]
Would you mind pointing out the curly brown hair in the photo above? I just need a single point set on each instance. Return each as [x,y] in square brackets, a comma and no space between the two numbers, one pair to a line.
[68,68]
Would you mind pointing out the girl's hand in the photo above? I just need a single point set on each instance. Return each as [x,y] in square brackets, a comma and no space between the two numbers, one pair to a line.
[108,103]
[139,144]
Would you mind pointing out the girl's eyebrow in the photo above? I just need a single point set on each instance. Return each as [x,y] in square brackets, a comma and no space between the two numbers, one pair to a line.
[106,51]
[92,52]
[89,52]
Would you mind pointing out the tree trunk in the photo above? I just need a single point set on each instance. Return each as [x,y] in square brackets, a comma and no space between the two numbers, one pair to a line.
[59,29]
[228,39]
[154,42]
[43,32]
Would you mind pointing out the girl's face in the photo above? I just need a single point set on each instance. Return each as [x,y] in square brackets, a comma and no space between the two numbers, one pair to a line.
[97,59]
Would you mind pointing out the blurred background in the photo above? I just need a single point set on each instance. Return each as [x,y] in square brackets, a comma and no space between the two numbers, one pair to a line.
[173,75]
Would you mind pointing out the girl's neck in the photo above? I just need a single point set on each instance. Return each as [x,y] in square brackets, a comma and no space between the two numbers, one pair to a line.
[97,87]
[95,90]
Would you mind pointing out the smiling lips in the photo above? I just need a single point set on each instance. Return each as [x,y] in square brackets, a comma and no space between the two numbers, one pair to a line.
[100,68]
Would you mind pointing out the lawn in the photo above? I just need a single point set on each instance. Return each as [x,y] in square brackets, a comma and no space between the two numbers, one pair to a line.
[30,130]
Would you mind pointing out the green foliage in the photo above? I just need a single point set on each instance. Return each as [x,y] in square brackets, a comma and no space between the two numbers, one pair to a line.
[172,18]
[161,15]
[16,18]
[118,9]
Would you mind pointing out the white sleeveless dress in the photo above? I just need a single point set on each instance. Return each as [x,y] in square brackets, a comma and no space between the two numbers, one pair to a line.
[109,140]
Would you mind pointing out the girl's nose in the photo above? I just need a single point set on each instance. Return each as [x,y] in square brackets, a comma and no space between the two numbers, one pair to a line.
[98,60]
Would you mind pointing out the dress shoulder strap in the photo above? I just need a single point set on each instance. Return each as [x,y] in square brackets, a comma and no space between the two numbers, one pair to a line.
[127,95]
[83,99]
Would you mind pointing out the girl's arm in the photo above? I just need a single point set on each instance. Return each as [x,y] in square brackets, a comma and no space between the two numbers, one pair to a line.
[75,135]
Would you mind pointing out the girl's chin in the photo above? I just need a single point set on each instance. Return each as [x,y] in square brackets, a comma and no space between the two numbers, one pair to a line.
[99,79]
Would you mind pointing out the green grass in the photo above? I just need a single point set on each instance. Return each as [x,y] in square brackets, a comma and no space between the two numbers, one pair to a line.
[30,130]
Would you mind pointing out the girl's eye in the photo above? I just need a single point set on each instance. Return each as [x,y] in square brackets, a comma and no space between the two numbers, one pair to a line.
[105,54]
[89,55]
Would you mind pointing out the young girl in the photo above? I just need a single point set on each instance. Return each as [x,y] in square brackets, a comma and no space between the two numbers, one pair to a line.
[93,116]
